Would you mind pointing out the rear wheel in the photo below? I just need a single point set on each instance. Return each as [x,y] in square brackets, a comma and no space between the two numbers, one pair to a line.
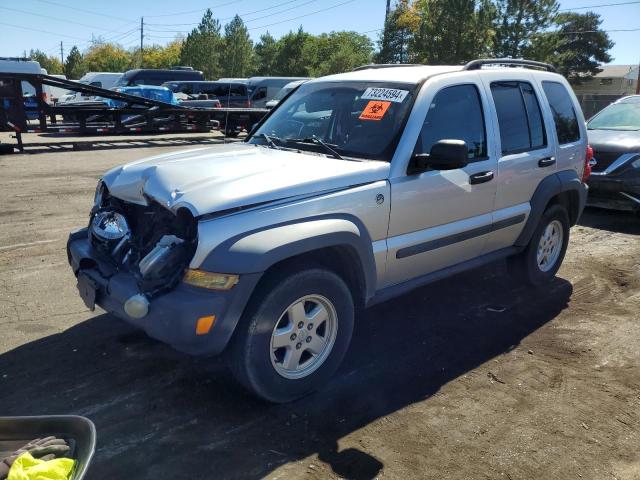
[295,336]
[542,258]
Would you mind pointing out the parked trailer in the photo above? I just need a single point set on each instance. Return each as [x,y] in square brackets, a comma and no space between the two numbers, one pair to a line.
[32,114]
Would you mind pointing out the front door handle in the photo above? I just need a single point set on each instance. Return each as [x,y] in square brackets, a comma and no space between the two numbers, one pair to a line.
[481,177]
[546,162]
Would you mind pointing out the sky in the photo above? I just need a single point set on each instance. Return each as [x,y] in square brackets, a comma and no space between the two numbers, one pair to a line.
[43,24]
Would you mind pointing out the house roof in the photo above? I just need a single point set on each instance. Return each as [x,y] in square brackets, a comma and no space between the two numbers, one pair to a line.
[615,71]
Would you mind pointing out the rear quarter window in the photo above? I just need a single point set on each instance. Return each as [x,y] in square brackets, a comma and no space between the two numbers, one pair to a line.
[564,114]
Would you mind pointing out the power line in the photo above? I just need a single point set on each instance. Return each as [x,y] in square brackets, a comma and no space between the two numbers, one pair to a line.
[302,16]
[243,15]
[597,6]
[76,9]
[175,14]
[41,31]
[49,17]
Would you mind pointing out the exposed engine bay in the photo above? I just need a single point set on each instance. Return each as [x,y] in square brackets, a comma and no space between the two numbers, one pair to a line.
[150,242]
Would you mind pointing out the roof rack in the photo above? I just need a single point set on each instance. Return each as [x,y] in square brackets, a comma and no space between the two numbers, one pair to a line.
[516,62]
[375,66]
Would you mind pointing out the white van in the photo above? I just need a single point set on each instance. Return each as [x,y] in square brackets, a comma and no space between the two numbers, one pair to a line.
[19,65]
[95,79]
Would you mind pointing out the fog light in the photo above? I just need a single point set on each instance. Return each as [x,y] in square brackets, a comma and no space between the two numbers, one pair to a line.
[137,306]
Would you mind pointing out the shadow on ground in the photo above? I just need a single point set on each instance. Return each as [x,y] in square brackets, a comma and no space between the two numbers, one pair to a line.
[611,220]
[160,414]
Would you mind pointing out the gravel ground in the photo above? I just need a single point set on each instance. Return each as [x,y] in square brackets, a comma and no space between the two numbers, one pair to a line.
[471,377]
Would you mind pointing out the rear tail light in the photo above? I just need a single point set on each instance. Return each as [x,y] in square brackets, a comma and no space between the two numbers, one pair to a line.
[586,173]
[248,103]
[44,97]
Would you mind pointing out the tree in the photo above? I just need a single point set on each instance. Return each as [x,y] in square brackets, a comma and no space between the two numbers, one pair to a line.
[291,59]
[237,60]
[266,53]
[399,26]
[337,52]
[452,31]
[51,64]
[162,57]
[576,48]
[203,46]
[518,21]
[73,67]
[106,57]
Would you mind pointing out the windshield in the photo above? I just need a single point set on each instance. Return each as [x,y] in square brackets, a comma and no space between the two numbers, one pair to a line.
[357,119]
[619,116]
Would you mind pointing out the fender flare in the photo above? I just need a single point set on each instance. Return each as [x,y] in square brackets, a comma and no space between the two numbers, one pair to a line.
[257,250]
[549,187]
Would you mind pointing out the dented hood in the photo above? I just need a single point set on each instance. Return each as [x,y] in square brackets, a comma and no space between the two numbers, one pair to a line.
[213,179]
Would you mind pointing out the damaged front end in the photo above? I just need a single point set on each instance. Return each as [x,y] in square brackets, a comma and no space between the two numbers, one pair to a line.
[151,242]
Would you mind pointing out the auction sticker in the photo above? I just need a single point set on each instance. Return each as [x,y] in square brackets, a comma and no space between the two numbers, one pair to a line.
[387,94]
[375,110]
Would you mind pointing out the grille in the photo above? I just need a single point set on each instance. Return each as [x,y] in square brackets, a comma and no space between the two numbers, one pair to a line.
[604,159]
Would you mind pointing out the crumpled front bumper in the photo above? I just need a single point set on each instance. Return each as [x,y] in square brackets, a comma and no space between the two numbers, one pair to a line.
[172,315]
[614,192]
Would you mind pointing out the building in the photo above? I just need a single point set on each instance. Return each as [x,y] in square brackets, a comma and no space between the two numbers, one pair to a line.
[612,80]
[612,83]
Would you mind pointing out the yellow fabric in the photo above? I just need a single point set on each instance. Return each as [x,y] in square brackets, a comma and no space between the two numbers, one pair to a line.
[28,468]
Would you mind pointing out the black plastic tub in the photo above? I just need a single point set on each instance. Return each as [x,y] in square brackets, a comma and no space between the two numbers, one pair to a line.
[79,432]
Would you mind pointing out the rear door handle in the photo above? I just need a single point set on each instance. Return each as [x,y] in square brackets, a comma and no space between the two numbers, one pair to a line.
[546,162]
[481,177]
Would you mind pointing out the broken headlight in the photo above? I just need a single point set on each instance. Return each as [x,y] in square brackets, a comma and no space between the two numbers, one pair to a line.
[98,197]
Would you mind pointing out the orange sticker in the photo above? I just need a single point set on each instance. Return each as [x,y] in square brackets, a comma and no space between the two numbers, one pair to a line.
[375,110]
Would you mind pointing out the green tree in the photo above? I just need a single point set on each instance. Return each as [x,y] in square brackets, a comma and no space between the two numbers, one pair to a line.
[203,46]
[291,59]
[576,48]
[162,57]
[73,67]
[237,60]
[51,64]
[337,52]
[452,31]
[266,53]
[518,21]
[106,57]
[399,26]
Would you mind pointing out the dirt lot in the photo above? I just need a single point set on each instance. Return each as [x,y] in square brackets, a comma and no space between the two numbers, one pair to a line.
[472,377]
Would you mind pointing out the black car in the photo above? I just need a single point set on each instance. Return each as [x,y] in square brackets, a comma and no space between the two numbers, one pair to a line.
[230,94]
[614,135]
[150,76]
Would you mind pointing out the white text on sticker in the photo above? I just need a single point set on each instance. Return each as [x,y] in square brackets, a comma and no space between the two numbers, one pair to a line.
[389,94]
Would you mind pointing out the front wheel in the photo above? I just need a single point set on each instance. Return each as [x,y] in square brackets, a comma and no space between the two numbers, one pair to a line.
[293,339]
[541,260]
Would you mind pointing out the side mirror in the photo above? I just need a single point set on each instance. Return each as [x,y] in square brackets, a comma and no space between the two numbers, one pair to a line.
[444,155]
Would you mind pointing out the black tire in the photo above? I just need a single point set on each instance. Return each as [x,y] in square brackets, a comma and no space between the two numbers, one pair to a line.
[525,265]
[250,352]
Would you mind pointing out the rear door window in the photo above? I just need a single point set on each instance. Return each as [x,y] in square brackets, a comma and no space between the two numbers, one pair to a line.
[455,114]
[564,115]
[519,117]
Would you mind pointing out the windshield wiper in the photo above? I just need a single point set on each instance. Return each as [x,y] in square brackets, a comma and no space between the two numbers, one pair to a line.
[315,140]
[270,140]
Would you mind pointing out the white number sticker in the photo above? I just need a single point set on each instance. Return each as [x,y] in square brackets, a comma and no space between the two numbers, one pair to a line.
[389,94]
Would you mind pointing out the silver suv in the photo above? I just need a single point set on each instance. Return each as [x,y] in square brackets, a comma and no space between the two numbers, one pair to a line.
[357,188]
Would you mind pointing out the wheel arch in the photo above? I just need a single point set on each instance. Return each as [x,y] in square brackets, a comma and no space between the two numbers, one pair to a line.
[563,188]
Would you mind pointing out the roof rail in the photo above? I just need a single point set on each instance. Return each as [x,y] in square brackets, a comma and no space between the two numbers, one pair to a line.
[375,66]
[477,64]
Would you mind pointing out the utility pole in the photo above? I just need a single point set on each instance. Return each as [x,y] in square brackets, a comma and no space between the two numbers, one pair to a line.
[638,81]
[61,53]
[141,38]
[386,15]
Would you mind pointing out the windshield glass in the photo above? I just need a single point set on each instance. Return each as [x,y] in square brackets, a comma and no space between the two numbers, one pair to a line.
[619,116]
[357,119]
